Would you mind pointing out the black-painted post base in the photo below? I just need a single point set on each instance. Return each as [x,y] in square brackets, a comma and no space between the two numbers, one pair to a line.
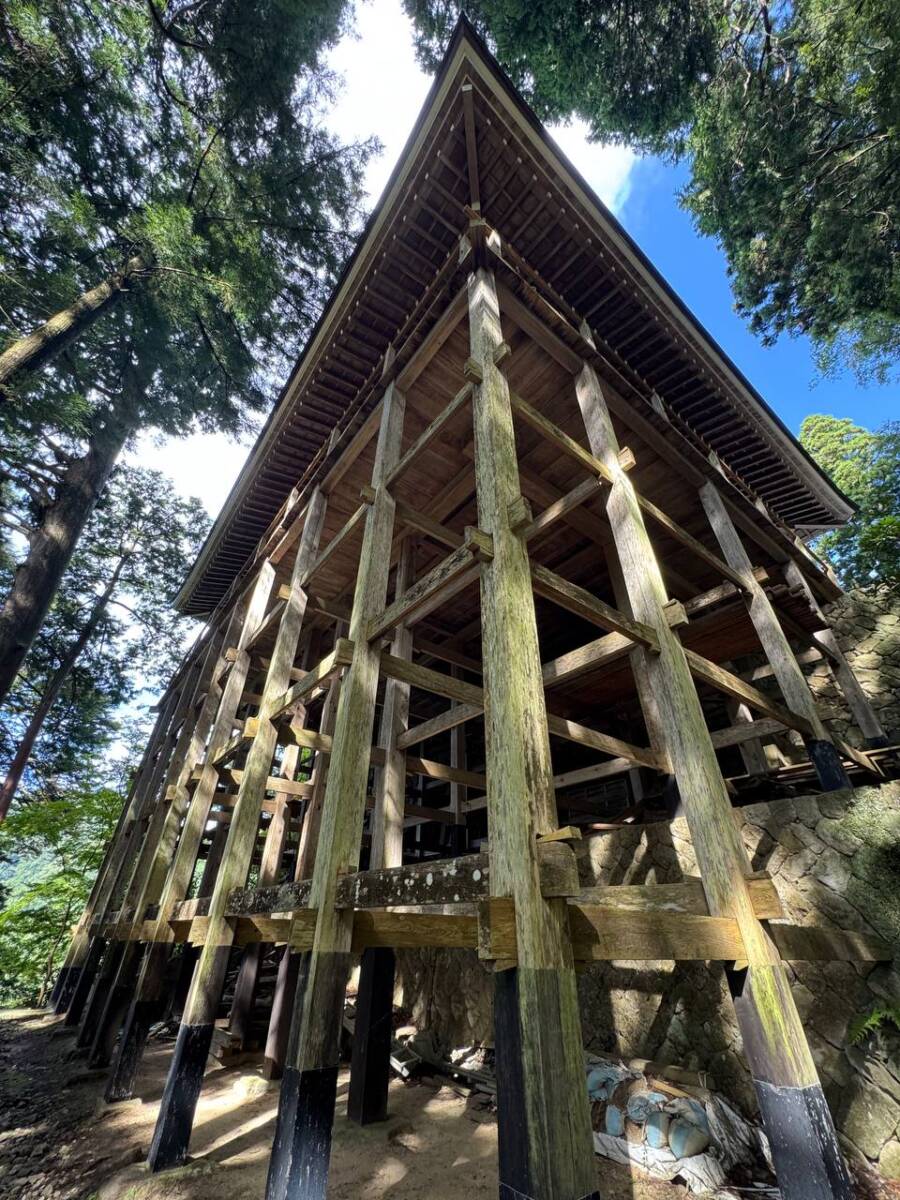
[84,981]
[62,992]
[172,1135]
[115,1007]
[298,1168]
[58,986]
[370,1066]
[283,1002]
[827,761]
[93,1010]
[186,964]
[141,1018]
[514,1151]
[878,743]
[805,1151]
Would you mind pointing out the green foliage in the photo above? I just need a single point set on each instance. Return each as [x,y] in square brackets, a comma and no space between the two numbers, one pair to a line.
[50,850]
[865,465]
[189,139]
[789,115]
[866,1023]
[144,536]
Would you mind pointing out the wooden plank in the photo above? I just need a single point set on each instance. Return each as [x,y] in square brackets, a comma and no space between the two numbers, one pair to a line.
[735,734]
[462,397]
[579,601]
[684,897]
[691,543]
[335,544]
[432,681]
[733,685]
[602,934]
[402,931]
[561,727]
[811,943]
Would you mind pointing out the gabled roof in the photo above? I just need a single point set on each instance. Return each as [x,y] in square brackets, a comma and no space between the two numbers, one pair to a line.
[537,200]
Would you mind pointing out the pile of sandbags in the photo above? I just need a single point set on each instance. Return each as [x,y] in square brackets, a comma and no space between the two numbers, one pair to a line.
[674,1133]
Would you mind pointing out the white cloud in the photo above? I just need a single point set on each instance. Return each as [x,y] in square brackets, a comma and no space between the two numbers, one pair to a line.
[204,465]
[606,168]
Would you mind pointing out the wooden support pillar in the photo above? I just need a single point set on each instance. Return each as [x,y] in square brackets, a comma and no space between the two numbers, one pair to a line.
[545,1145]
[299,1163]
[292,967]
[822,751]
[223,701]
[370,1065]
[458,791]
[176,1117]
[804,1145]
[752,753]
[857,701]
[87,949]
[270,864]
[147,882]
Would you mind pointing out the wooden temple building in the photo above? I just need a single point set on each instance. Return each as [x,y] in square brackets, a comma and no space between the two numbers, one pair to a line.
[496,552]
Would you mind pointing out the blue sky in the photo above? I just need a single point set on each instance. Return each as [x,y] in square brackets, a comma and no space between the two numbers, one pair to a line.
[785,373]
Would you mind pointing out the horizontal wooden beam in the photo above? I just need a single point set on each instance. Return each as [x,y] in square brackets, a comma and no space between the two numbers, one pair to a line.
[582,493]
[687,896]
[457,715]
[340,656]
[590,657]
[462,397]
[439,584]
[577,600]
[732,685]
[335,544]
[553,434]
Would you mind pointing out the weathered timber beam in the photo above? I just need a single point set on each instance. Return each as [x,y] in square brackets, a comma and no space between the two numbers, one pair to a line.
[811,943]
[444,881]
[691,543]
[577,600]
[335,544]
[462,397]
[733,685]
[552,433]
[457,715]
[340,656]
[686,896]
[442,582]
[735,734]
[599,653]
[572,732]
[722,592]
[582,493]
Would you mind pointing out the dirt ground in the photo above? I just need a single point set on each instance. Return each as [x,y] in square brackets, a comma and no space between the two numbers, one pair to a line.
[59,1141]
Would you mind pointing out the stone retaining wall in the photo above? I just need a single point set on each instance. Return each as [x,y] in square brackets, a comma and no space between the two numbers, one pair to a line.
[866,623]
[835,860]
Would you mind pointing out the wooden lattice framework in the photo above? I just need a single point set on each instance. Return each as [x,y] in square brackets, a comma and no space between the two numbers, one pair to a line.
[499,486]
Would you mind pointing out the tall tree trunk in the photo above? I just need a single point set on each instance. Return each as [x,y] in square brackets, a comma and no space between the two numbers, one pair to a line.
[37,578]
[53,689]
[35,349]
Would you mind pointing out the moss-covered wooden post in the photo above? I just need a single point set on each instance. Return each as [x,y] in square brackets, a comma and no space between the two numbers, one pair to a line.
[222,701]
[545,1142]
[89,946]
[822,751]
[300,1154]
[804,1145]
[291,968]
[370,1066]
[857,701]
[173,1127]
